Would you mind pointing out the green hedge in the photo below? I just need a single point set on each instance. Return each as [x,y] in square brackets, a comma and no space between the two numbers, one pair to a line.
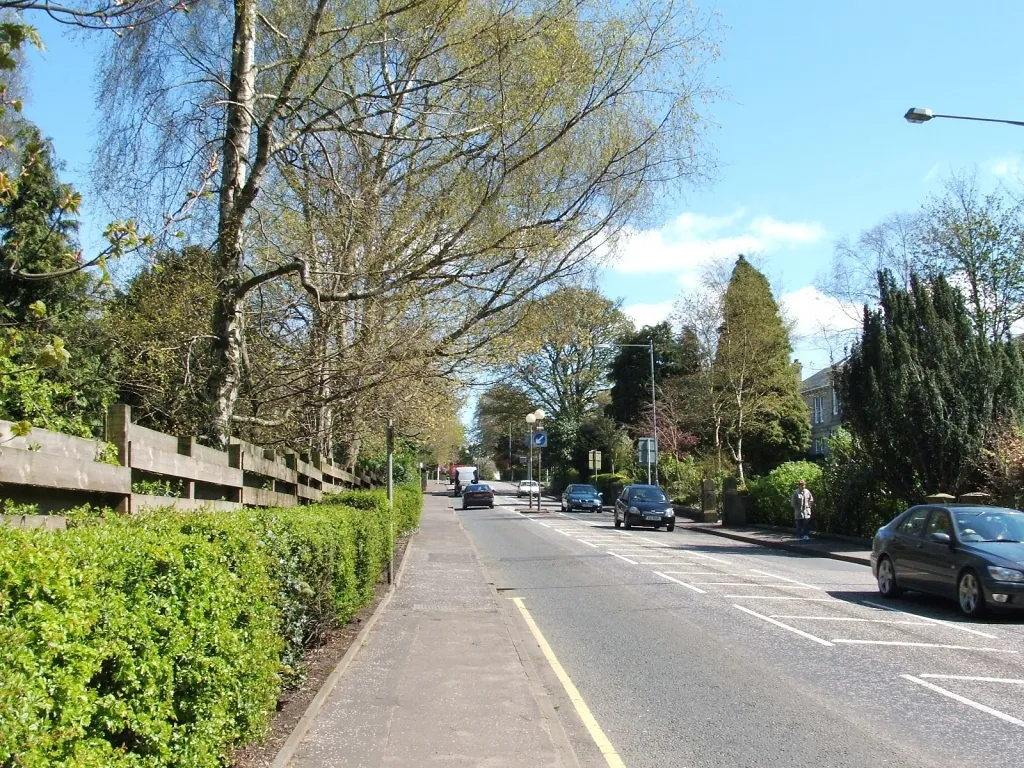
[771,496]
[164,640]
[408,504]
[610,485]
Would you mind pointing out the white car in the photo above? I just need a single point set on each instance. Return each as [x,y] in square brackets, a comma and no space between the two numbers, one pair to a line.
[528,488]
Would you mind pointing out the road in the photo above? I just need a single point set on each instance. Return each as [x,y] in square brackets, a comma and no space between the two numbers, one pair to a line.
[691,650]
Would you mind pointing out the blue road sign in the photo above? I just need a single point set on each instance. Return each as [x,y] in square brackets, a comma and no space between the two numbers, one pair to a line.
[540,439]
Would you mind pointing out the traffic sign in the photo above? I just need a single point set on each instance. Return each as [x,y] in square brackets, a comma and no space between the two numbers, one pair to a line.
[594,458]
[540,439]
[647,451]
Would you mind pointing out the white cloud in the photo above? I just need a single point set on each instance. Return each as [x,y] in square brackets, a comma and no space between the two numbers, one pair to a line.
[933,173]
[1005,166]
[692,240]
[648,314]
[823,326]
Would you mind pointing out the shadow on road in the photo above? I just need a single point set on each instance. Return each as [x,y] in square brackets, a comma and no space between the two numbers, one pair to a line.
[927,606]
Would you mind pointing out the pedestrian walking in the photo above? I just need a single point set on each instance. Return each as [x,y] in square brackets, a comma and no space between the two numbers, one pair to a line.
[802,503]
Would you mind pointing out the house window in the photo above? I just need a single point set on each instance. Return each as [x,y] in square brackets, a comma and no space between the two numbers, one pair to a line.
[819,409]
[835,402]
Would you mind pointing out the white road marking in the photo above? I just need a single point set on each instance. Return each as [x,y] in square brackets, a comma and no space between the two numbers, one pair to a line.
[694,573]
[709,557]
[907,644]
[794,630]
[783,578]
[847,618]
[783,597]
[587,543]
[753,584]
[949,624]
[964,700]
[680,583]
[633,562]
[968,678]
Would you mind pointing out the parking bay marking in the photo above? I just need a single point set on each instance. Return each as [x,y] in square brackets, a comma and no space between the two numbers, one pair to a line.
[964,700]
[849,618]
[783,578]
[971,679]
[680,583]
[949,624]
[909,644]
[777,623]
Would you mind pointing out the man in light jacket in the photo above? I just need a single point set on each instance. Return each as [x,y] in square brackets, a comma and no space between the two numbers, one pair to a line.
[802,503]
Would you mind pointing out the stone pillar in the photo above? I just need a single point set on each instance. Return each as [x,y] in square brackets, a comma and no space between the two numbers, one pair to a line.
[117,431]
[708,502]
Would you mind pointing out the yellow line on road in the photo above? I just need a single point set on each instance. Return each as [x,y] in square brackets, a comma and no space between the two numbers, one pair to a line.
[602,742]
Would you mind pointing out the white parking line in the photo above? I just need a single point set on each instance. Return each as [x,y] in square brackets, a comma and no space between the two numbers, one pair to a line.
[964,700]
[753,584]
[907,644]
[949,624]
[633,562]
[782,597]
[587,543]
[784,578]
[794,630]
[694,573]
[847,618]
[680,583]
[968,678]
[709,557]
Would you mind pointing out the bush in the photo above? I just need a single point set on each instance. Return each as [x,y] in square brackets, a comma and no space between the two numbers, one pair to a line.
[681,479]
[563,479]
[610,485]
[771,495]
[164,640]
[856,500]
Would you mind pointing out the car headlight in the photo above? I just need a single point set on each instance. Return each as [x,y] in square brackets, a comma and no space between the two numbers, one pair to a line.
[1004,574]
[634,511]
[669,512]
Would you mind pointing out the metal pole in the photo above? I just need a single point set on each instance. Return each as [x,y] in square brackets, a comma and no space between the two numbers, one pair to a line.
[654,415]
[529,473]
[511,472]
[391,498]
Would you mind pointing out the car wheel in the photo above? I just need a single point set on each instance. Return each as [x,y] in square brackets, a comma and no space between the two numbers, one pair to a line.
[670,527]
[618,523]
[492,506]
[626,524]
[887,585]
[969,594]
[465,506]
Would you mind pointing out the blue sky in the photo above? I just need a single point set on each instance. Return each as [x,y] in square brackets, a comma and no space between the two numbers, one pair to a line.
[811,142]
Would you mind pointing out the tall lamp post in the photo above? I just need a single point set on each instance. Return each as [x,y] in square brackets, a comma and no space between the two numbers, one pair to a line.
[649,346]
[919,115]
[532,419]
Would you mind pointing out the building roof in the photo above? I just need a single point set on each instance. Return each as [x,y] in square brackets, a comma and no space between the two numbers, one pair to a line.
[819,380]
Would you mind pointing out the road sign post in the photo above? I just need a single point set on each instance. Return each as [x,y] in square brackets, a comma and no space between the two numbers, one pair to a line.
[647,453]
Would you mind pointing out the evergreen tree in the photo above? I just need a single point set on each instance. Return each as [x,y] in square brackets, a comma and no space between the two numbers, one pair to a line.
[765,419]
[630,373]
[925,387]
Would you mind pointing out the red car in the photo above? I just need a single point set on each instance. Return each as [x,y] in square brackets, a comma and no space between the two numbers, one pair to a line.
[478,495]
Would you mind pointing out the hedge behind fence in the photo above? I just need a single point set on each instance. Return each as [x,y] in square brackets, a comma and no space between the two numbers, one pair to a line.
[165,640]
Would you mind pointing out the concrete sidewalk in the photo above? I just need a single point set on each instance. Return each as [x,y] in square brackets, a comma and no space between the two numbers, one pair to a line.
[851,551]
[439,680]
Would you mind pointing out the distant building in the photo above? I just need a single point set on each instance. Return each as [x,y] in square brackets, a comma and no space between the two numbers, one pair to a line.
[819,392]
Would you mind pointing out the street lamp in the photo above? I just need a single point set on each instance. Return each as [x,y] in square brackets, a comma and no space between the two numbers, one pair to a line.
[531,419]
[919,115]
[654,403]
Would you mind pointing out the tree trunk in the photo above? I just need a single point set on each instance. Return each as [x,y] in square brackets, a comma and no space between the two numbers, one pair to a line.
[225,378]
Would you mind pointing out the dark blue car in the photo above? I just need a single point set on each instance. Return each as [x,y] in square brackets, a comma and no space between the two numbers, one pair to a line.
[974,555]
[582,497]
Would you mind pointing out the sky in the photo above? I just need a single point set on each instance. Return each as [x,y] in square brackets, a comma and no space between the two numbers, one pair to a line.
[810,140]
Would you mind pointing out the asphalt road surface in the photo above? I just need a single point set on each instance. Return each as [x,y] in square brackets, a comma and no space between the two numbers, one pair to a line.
[692,650]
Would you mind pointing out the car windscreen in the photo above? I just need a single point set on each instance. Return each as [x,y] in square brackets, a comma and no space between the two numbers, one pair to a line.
[990,526]
[647,494]
[582,490]
[477,488]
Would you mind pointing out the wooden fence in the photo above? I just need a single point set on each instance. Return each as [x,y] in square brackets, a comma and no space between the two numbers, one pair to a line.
[57,471]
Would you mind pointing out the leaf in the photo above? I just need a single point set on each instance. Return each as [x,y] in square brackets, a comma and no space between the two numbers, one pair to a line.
[53,354]
[38,308]
[21,428]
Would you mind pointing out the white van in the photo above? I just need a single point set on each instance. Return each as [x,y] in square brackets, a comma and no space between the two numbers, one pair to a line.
[465,476]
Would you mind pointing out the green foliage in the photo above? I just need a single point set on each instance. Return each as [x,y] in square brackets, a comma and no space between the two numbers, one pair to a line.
[610,485]
[771,495]
[856,501]
[163,639]
[766,420]
[170,488]
[106,453]
[562,479]
[11,507]
[924,388]
[630,373]
[681,478]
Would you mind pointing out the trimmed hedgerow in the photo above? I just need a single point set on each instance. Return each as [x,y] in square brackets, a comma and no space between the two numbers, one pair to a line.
[165,640]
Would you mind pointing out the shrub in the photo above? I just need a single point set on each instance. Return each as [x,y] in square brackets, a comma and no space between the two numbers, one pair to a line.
[856,500]
[164,639]
[681,478]
[563,479]
[771,495]
[610,485]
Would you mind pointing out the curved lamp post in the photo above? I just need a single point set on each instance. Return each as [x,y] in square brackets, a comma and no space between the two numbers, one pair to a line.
[919,115]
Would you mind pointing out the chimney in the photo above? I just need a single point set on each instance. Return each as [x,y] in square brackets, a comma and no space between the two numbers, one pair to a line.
[799,370]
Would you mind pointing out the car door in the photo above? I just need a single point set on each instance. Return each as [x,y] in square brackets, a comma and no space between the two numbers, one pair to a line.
[906,549]
[938,560]
[621,505]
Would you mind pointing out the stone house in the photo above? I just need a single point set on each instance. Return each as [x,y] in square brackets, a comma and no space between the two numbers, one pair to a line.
[820,395]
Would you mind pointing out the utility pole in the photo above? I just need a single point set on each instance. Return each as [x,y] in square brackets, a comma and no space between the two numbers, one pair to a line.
[654,417]
[511,472]
[391,498]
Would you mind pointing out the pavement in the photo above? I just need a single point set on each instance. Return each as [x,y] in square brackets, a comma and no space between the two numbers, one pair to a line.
[441,680]
[819,546]
[600,646]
